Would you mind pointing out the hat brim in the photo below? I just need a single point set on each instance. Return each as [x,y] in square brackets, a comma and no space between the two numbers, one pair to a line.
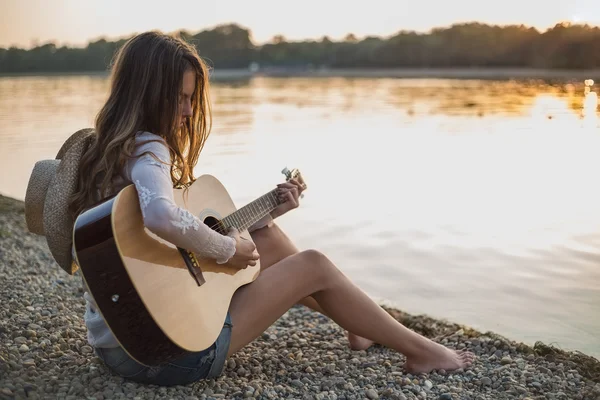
[58,221]
[35,196]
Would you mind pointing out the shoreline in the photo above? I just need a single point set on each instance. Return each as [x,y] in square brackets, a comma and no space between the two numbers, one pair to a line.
[44,351]
[436,73]
[399,73]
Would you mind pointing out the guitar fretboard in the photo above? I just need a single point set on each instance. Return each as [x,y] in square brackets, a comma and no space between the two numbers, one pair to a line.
[251,212]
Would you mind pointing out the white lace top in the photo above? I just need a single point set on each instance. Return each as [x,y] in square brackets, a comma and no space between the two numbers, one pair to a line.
[163,217]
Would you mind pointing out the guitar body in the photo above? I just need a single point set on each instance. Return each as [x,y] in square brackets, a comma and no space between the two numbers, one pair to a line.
[160,302]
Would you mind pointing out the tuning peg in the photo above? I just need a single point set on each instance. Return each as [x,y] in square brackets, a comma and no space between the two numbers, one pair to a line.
[288,174]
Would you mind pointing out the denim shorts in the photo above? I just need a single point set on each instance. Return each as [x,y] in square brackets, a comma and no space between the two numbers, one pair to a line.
[205,364]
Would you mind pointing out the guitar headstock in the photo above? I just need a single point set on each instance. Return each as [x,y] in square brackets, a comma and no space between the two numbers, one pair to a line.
[294,174]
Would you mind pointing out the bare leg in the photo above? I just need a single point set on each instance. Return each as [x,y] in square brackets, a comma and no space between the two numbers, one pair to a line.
[256,306]
[273,245]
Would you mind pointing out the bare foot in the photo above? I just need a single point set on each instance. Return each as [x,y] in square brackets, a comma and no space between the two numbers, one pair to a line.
[436,356]
[359,342]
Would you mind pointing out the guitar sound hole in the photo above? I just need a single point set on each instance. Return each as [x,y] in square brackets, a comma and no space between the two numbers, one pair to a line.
[215,224]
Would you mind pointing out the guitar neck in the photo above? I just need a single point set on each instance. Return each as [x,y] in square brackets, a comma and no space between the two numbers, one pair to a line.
[252,212]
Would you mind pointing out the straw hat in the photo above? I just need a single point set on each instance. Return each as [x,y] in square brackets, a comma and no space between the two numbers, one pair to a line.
[51,184]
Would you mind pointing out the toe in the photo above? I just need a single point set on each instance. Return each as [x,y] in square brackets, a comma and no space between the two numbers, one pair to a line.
[466,361]
[466,356]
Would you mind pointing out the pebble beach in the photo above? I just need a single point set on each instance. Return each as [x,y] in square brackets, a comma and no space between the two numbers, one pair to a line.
[44,353]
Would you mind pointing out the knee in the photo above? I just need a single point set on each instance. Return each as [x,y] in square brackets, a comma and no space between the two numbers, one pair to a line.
[314,257]
[318,263]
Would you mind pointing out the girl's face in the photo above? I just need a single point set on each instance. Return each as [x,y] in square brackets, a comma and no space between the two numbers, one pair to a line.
[185,97]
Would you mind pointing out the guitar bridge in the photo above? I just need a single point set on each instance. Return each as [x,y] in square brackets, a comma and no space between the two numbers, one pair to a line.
[191,263]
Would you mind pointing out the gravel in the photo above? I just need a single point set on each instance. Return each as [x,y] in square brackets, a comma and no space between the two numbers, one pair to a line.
[44,353]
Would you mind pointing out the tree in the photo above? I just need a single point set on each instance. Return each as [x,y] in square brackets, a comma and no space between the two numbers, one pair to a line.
[277,39]
[460,45]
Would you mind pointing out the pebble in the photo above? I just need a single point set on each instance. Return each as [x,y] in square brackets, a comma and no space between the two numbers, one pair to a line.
[20,340]
[29,363]
[231,363]
[506,360]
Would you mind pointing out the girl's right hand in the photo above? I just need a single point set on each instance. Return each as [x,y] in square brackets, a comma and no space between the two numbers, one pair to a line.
[245,251]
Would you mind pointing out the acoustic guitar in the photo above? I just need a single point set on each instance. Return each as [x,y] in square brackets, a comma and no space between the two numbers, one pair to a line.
[161,301]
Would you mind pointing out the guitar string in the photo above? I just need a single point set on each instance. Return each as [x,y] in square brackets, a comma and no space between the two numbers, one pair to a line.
[219,225]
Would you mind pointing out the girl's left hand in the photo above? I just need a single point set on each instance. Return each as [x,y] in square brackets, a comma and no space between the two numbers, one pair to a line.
[289,196]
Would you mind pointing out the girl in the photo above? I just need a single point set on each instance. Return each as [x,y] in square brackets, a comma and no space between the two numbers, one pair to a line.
[150,132]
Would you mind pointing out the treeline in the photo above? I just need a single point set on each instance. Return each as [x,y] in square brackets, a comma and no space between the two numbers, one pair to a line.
[564,46]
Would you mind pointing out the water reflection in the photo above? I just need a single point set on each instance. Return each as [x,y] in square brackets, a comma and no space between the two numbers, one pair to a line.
[462,199]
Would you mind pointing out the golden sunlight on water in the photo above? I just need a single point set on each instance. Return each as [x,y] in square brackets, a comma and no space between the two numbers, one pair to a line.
[471,200]
[590,104]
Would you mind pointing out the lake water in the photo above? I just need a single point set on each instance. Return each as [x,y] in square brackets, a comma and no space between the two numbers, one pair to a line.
[477,201]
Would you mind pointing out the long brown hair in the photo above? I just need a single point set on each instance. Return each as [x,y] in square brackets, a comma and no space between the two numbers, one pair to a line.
[146,81]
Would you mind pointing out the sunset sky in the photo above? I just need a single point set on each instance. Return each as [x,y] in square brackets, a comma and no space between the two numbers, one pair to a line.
[75,22]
